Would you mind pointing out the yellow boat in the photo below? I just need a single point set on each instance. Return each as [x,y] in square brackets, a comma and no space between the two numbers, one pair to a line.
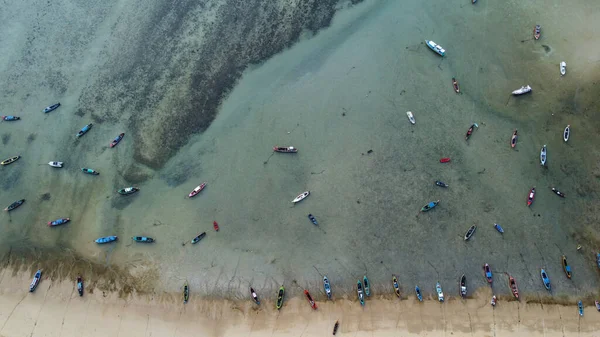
[10,160]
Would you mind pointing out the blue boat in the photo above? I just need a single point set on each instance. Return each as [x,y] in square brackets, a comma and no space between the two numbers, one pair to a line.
[580,306]
[313,220]
[143,239]
[10,118]
[499,228]
[418,292]
[36,280]
[429,206]
[367,286]
[84,130]
[327,287]
[545,279]
[106,239]
[598,259]
[57,222]
[51,107]
[89,171]
[436,48]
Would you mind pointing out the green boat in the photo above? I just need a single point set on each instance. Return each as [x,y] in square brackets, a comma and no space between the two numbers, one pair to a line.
[361,296]
[280,297]
[144,239]
[128,190]
[89,171]
[186,292]
[429,206]
[367,286]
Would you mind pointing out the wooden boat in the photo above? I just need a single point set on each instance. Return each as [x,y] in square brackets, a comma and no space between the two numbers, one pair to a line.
[128,190]
[436,48]
[117,140]
[396,285]
[470,131]
[197,190]
[537,32]
[80,285]
[429,206]
[14,205]
[455,85]
[438,289]
[487,272]
[58,222]
[280,295]
[10,160]
[106,239]
[84,130]
[543,156]
[418,294]
[531,196]
[462,286]
[327,287]
[513,286]
[310,299]
[367,286]
[199,237]
[56,163]
[567,133]
[566,267]
[216,226]
[286,149]
[557,192]
[563,68]
[143,239]
[313,220]
[186,292]
[441,183]
[335,327]
[499,228]
[51,108]
[513,140]
[470,232]
[36,280]
[522,90]
[445,160]
[410,116]
[301,197]
[254,296]
[359,290]
[580,308]
[545,279]
[493,301]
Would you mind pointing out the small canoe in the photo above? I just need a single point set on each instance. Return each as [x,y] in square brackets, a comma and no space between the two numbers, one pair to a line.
[410,116]
[285,149]
[84,130]
[313,220]
[436,48]
[493,302]
[128,190]
[396,285]
[522,90]
[429,206]
[327,287]
[36,280]
[462,286]
[499,228]
[473,1]
[455,85]
[199,237]
[470,131]
[470,232]
[444,160]
[143,239]
[58,222]
[310,299]
[418,294]
[301,197]
[440,293]
[56,163]
[10,160]
[512,284]
[89,171]
[106,239]
[280,295]
[441,183]
[531,196]
[566,267]
[197,190]
[254,295]
[513,140]
[543,156]
[487,272]
[186,292]
[545,279]
[557,192]
[14,205]
[598,259]
[359,291]
[580,308]
[537,32]
[567,133]
[335,327]
[117,140]
[367,286]
[51,108]
[563,68]
[10,118]
[216,226]
[80,285]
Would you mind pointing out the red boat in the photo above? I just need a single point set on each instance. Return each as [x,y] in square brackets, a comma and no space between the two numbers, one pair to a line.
[470,131]
[289,149]
[513,286]
[197,190]
[216,226]
[531,196]
[455,85]
[117,140]
[310,299]
[513,140]
[444,160]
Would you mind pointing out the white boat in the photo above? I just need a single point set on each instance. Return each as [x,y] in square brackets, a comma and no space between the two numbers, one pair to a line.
[522,90]
[440,294]
[301,197]
[435,47]
[543,155]
[563,68]
[56,163]
[567,133]
[411,118]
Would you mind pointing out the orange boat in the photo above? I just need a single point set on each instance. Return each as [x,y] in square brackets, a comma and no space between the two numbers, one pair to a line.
[216,226]
[513,286]
[455,85]
[310,299]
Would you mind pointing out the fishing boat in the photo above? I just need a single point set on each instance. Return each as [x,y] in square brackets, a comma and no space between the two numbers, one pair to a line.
[537,32]
[285,149]
[470,232]
[543,155]
[429,206]
[36,280]
[359,290]
[310,299]
[410,116]
[566,266]
[216,226]
[396,285]
[436,48]
[14,205]
[117,140]
[493,301]
[143,239]
[106,239]
[418,294]
[10,118]
[89,171]
[597,305]
[186,292]
[438,289]
[280,297]
[463,286]
[10,160]
[80,285]
[367,286]
[58,222]
[84,130]
[598,259]
[301,197]
[441,183]
[128,190]
[327,287]
[444,160]
[513,286]
[563,68]
[51,107]
[313,220]
[522,90]
[254,295]
[567,133]
[557,192]
[499,228]
[513,140]
[470,131]
[580,308]
[545,279]
[335,327]
[197,190]
[488,273]
[56,163]
[473,1]
[199,237]
[531,196]
[455,85]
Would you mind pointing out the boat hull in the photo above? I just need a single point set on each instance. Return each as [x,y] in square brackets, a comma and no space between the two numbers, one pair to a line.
[197,190]
[106,239]
[301,197]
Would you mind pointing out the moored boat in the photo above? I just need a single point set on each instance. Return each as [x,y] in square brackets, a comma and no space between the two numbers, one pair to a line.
[513,140]
[566,266]
[545,279]
[396,285]
[106,239]
[84,130]
[440,293]
[499,228]
[285,149]
[462,286]
[56,163]
[436,48]
[310,299]
[57,222]
[359,291]
[563,68]
[117,140]
[531,196]
[216,226]
[557,192]
[487,272]
[537,32]
[128,190]
[411,117]
[367,286]
[80,285]
[580,308]
[51,108]
[470,131]
[445,160]
[470,232]
[199,237]
[429,206]
[418,294]
[254,296]
[335,327]
[10,118]
[313,220]
[10,160]
[280,295]
[597,305]
[598,259]
[493,302]
[301,197]
[143,239]
[327,287]
[513,286]
[455,85]
[567,133]
[522,90]
[36,280]
[89,171]
[197,190]
[543,156]
[14,205]
[441,183]
[186,292]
